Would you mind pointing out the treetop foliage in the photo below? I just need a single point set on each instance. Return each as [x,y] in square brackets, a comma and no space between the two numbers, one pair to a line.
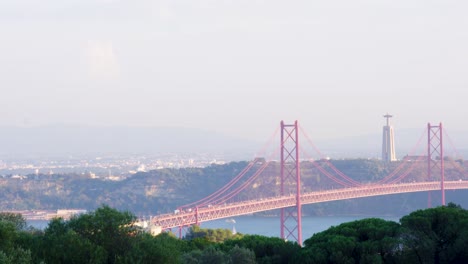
[16,219]
[436,235]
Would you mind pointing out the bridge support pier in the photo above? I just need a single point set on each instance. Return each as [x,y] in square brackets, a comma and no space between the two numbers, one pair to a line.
[435,158]
[180,232]
[290,218]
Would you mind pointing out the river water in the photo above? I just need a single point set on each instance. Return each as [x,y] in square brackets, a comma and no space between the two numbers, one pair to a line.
[269,226]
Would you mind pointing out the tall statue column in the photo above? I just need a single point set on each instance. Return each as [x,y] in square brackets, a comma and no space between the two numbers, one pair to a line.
[388,141]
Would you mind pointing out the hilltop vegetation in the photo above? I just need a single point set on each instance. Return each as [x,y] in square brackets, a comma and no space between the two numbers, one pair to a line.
[161,191]
[436,235]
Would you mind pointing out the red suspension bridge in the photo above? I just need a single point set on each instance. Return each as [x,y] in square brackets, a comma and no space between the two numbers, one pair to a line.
[291,198]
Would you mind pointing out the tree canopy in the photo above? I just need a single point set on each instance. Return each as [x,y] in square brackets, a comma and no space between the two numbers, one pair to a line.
[107,236]
[436,235]
[363,241]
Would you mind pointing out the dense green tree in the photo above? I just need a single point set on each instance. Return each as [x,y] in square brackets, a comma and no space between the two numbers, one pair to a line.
[364,241]
[11,226]
[61,244]
[210,255]
[215,254]
[192,257]
[112,230]
[212,235]
[17,219]
[32,239]
[163,248]
[436,235]
[266,249]
[16,256]
[8,235]
[240,255]
[103,236]
[199,243]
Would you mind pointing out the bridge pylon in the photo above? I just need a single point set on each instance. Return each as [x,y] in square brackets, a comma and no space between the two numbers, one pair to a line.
[435,158]
[290,218]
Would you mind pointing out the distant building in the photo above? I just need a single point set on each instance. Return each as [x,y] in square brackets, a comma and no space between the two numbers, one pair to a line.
[388,142]
[141,168]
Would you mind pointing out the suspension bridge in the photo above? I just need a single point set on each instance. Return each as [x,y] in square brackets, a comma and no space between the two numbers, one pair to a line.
[291,198]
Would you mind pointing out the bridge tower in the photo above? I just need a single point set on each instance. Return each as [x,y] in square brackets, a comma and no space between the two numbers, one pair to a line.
[435,158]
[291,222]
[388,141]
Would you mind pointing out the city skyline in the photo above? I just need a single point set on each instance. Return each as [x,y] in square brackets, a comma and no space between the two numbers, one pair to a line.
[234,67]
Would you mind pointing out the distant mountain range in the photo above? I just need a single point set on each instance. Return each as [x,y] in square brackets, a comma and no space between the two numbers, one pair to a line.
[65,139]
[69,139]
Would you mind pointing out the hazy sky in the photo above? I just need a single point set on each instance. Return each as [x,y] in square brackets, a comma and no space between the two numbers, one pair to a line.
[238,66]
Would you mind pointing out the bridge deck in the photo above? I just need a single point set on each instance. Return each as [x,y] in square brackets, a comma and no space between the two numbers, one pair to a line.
[167,221]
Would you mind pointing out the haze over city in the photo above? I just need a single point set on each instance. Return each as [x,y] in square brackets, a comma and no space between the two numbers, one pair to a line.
[234,67]
[233,131]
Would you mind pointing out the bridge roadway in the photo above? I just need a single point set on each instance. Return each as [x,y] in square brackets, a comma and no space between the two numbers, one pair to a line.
[203,214]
